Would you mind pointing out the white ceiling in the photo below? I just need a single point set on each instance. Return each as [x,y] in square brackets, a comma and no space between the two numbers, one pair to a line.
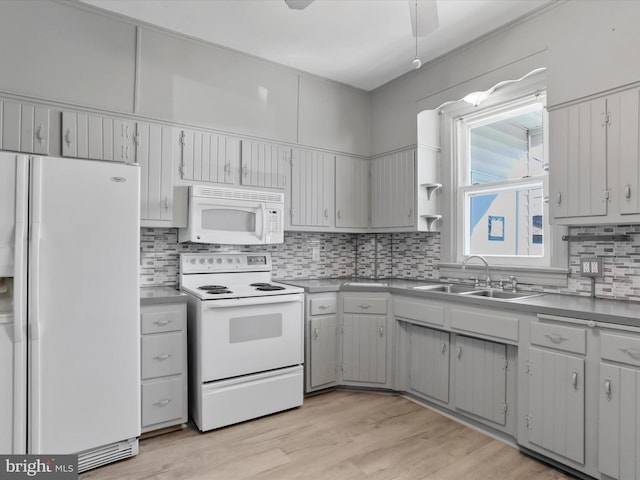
[364,43]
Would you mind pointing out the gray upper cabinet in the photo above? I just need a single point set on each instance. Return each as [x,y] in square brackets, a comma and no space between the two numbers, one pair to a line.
[311,197]
[264,164]
[24,127]
[393,189]
[98,137]
[594,167]
[190,82]
[207,157]
[157,154]
[353,186]
[57,51]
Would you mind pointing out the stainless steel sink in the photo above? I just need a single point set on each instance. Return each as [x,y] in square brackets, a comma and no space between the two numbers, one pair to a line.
[446,288]
[501,295]
[366,284]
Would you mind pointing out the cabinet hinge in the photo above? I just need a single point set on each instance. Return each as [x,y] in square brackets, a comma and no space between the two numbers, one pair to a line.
[505,408]
[606,119]
[527,421]
[136,139]
[291,212]
[506,364]
[528,368]
[606,194]
[181,139]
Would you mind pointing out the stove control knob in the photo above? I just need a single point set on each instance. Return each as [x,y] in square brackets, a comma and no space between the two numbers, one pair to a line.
[193,260]
[202,260]
[230,260]
[211,260]
[219,260]
[237,260]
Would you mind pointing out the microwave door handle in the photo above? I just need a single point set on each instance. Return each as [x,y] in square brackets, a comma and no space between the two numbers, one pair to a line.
[264,222]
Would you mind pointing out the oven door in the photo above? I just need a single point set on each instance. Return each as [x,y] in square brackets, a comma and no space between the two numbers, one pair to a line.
[249,335]
[233,222]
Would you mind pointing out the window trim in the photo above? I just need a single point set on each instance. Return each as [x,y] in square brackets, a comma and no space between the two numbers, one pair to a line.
[556,274]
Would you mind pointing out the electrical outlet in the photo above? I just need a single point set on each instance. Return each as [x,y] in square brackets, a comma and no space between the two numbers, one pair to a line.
[591,267]
[315,254]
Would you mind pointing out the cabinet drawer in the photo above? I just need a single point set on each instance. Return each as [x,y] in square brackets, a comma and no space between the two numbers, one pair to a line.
[567,339]
[163,318]
[162,355]
[419,311]
[365,305]
[162,401]
[620,348]
[322,306]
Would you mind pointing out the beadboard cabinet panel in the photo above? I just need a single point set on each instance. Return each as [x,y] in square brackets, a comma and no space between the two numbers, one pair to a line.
[185,81]
[333,116]
[312,189]
[60,52]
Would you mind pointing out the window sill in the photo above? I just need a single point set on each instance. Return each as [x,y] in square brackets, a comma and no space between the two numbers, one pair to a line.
[547,276]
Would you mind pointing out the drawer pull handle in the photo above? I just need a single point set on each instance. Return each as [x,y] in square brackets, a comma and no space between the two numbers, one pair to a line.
[444,348]
[555,338]
[627,191]
[574,380]
[162,357]
[323,307]
[315,333]
[459,352]
[381,332]
[607,388]
[635,354]
[163,403]
[365,305]
[162,323]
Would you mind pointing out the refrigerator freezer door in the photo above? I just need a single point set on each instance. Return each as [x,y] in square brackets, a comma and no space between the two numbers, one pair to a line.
[83,305]
[13,307]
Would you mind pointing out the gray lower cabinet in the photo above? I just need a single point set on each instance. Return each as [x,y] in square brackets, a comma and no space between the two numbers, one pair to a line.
[556,403]
[619,406]
[365,344]
[164,365]
[428,362]
[321,341]
[481,378]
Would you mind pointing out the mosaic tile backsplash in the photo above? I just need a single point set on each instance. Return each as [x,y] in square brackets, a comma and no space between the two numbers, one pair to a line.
[397,255]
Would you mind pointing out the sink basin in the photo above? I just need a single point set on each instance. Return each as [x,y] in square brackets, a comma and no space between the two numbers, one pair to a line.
[500,295]
[446,288]
[366,284]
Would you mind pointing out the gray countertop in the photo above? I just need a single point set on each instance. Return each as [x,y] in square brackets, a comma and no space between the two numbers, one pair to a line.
[158,295]
[599,310]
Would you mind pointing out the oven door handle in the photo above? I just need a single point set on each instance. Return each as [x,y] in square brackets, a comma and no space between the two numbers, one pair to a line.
[241,302]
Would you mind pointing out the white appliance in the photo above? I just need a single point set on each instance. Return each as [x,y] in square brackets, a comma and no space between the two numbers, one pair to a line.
[233,216]
[245,338]
[69,308]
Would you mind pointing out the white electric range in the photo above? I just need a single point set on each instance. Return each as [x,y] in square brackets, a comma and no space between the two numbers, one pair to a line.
[245,338]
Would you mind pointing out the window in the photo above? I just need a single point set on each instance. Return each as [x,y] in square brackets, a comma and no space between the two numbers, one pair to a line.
[502,182]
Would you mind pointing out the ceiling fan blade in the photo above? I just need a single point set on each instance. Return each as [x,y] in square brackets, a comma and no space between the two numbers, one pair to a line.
[298,4]
[427,16]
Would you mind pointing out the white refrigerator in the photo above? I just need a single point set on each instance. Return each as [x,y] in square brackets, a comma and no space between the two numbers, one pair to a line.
[69,308]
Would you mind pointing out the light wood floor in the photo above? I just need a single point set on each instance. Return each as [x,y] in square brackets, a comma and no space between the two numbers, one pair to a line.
[338,435]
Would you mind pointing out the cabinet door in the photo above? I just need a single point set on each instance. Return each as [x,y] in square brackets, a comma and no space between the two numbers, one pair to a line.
[323,348]
[364,348]
[578,163]
[25,127]
[393,190]
[312,188]
[623,150]
[155,155]
[481,378]
[352,192]
[556,403]
[429,362]
[263,164]
[619,422]
[209,158]
[98,138]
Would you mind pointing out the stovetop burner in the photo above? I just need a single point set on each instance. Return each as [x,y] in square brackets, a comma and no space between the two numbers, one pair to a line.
[212,287]
[260,284]
[269,288]
[219,292]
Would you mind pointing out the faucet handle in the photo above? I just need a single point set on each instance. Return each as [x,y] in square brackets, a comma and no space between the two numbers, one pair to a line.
[514,283]
[476,281]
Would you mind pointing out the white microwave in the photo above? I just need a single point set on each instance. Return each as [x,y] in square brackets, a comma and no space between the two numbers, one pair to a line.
[233,216]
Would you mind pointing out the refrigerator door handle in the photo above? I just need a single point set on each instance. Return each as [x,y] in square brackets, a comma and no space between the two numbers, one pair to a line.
[34,261]
[21,245]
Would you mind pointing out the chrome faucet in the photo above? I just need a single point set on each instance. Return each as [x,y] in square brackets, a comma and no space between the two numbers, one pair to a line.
[486,266]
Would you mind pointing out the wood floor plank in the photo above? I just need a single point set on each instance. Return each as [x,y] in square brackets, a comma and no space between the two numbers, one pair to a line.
[337,435]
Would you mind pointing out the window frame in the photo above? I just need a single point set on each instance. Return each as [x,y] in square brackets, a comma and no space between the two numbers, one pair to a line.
[464,123]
